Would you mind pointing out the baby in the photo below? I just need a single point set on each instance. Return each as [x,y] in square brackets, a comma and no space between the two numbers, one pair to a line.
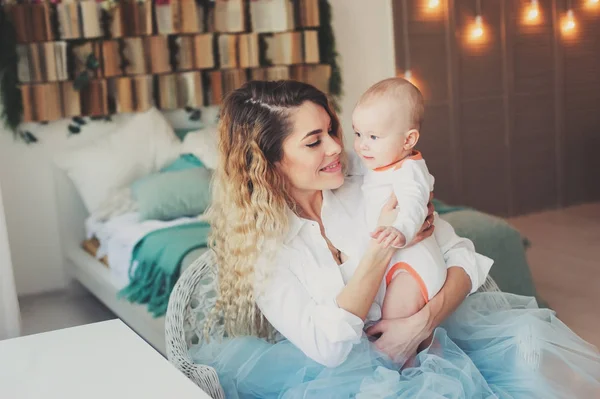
[387,121]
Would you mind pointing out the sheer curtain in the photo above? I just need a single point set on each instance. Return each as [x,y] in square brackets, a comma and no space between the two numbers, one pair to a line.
[10,319]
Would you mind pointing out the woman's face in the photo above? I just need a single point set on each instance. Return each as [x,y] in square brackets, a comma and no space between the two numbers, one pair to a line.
[311,154]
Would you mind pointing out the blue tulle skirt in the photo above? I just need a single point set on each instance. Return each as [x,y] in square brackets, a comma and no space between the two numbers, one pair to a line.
[495,345]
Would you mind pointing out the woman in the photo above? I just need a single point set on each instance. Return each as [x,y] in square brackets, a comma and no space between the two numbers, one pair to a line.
[289,238]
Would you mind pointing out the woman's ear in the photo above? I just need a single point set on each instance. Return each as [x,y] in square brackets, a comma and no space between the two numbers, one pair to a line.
[412,137]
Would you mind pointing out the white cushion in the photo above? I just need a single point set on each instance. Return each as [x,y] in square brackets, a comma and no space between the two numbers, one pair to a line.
[140,146]
[203,144]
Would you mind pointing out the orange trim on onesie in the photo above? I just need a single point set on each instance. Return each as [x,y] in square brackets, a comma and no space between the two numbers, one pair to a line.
[405,266]
[415,156]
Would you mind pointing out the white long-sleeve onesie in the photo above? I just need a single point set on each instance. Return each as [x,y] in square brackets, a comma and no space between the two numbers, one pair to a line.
[410,181]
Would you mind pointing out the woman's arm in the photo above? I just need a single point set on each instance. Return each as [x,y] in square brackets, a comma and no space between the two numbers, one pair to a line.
[359,293]
[322,330]
[452,294]
[326,330]
[460,252]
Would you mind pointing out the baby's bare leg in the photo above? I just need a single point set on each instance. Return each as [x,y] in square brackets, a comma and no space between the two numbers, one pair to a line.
[403,297]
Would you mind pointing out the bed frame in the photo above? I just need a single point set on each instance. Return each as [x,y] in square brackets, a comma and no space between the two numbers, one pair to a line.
[91,273]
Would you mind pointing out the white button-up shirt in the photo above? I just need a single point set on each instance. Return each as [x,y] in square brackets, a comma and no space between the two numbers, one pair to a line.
[299,296]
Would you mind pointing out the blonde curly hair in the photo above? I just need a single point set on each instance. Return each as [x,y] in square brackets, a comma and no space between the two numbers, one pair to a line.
[250,197]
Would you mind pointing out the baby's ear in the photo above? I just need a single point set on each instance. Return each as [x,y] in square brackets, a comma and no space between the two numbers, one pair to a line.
[412,137]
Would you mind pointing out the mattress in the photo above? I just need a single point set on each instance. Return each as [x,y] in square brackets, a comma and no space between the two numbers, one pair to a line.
[112,242]
[92,245]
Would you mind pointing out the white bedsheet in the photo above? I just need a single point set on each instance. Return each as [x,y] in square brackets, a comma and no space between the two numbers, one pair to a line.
[119,235]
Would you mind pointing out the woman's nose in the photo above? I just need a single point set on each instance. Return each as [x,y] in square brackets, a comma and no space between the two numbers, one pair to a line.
[333,147]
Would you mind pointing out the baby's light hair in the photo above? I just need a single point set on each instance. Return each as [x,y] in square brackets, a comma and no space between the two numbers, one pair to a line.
[406,95]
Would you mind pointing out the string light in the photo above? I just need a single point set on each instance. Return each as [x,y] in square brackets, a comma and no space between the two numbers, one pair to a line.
[592,4]
[407,72]
[431,10]
[569,24]
[477,30]
[532,13]
[431,4]
[409,76]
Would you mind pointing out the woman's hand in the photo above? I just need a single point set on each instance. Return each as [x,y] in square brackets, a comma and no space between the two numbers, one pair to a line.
[400,338]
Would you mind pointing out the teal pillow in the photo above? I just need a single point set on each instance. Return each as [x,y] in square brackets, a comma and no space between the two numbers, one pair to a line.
[174,194]
[186,161]
[182,132]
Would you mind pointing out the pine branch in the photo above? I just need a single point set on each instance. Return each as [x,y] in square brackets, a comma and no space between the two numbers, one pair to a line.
[10,94]
[328,52]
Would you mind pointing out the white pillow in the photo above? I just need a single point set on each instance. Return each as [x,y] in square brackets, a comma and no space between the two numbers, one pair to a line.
[140,146]
[204,145]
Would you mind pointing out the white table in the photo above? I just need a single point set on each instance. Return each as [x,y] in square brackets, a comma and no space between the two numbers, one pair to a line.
[103,360]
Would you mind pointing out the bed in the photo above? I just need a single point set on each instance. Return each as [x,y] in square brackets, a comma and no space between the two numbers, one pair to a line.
[126,151]
[95,275]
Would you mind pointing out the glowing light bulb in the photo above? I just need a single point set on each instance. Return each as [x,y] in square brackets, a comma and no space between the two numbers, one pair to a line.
[408,75]
[477,31]
[569,22]
[592,5]
[533,11]
[433,3]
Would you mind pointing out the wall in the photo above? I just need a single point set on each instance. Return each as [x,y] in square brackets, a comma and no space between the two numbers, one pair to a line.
[30,216]
[26,176]
[364,40]
[10,323]
[512,123]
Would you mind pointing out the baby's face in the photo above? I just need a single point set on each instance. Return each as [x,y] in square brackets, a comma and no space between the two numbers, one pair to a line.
[379,135]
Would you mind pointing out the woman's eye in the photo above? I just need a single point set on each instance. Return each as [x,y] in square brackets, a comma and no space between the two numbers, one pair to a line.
[316,143]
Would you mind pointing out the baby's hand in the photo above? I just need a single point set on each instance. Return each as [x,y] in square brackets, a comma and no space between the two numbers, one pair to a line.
[388,235]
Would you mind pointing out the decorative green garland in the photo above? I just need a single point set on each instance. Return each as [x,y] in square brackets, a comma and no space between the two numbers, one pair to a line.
[10,95]
[329,54]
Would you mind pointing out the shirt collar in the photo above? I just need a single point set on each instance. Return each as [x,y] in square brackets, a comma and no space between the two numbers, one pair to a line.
[339,226]
[295,223]
[294,226]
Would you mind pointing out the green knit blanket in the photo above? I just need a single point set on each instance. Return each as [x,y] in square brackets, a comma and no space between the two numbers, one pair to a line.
[156,264]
